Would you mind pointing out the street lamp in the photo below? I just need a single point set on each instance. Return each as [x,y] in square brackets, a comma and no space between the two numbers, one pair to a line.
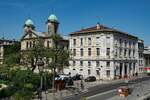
[99,71]
[40,65]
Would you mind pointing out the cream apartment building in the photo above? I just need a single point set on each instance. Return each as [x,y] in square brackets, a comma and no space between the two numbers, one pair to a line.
[141,56]
[103,52]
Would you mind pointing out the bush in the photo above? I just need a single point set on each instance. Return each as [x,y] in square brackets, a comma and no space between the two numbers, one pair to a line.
[6,92]
[23,83]
[22,95]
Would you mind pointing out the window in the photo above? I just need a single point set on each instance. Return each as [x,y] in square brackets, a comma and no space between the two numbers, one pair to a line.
[27,44]
[133,45]
[120,42]
[129,52]
[30,44]
[125,52]
[81,41]
[97,72]
[116,52]
[74,63]
[120,51]
[89,51]
[81,63]
[133,53]
[47,44]
[74,42]
[97,41]
[130,44]
[33,43]
[89,63]
[89,41]
[74,52]
[108,52]
[125,43]
[107,64]
[97,64]
[89,71]
[108,37]
[81,52]
[98,51]
[30,35]
[108,73]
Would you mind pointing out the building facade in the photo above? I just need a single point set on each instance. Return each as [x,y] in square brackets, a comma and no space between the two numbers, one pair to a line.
[103,52]
[147,56]
[30,36]
[3,43]
[141,55]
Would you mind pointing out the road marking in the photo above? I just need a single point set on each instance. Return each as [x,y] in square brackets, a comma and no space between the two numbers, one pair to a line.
[102,93]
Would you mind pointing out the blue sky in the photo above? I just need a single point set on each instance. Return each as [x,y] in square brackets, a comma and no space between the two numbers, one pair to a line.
[132,16]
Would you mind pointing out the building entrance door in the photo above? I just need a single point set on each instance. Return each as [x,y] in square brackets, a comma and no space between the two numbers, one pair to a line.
[125,70]
[120,70]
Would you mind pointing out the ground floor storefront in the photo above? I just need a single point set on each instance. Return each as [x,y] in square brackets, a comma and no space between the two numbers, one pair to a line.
[104,69]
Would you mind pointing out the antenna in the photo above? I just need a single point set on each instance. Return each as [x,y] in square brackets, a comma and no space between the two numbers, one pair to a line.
[29,15]
[3,36]
[98,18]
[52,10]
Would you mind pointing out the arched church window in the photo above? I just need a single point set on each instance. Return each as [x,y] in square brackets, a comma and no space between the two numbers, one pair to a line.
[47,44]
[30,44]
[27,44]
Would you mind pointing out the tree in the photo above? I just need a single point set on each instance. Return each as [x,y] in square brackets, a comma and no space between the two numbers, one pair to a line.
[32,55]
[20,83]
[12,54]
[59,56]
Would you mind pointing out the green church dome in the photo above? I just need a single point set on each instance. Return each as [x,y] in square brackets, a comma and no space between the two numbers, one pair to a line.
[29,22]
[52,18]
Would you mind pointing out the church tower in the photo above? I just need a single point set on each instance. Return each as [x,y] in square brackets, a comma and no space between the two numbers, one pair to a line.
[52,24]
[28,26]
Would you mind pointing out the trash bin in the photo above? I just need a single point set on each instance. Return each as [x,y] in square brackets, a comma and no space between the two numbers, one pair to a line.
[123,91]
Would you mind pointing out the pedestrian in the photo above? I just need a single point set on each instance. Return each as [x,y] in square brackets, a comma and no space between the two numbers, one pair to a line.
[136,74]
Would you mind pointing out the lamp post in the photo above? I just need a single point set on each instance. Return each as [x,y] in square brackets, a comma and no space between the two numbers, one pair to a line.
[82,86]
[40,65]
[99,70]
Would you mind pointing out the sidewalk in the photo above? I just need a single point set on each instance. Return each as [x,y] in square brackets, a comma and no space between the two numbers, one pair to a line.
[76,89]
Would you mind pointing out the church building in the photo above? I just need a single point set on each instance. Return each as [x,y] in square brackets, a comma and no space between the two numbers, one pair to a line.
[30,35]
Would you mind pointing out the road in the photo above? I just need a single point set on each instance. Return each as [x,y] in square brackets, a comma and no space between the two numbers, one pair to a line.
[104,88]
[139,90]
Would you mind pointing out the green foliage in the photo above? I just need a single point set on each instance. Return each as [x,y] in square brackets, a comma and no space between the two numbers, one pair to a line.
[22,95]
[56,38]
[9,49]
[24,78]
[12,54]
[60,56]
[21,83]
[33,54]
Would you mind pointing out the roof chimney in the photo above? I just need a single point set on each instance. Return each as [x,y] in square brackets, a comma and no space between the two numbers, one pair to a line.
[98,26]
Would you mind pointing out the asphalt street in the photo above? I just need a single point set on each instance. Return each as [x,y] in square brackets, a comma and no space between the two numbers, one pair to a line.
[104,88]
[140,90]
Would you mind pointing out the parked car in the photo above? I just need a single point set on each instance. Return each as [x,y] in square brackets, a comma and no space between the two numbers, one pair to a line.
[90,79]
[77,77]
[68,81]
[66,78]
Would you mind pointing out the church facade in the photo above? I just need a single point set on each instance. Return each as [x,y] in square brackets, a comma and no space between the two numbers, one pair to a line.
[30,35]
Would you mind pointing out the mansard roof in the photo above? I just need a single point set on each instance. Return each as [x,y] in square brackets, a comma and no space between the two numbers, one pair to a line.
[99,28]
